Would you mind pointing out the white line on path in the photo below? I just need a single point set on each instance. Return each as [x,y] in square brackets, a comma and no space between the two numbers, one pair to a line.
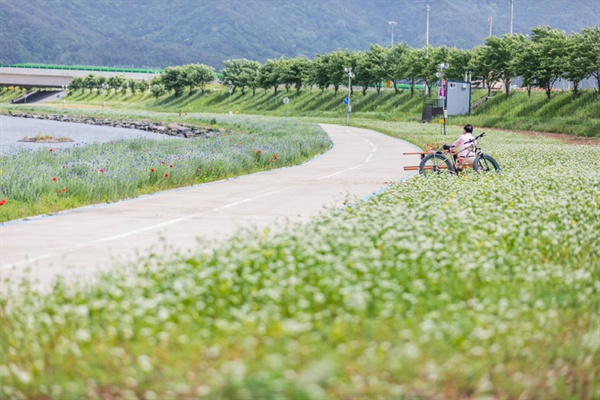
[373,150]
[136,231]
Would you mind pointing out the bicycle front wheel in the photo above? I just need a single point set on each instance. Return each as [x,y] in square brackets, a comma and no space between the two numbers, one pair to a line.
[434,164]
[485,163]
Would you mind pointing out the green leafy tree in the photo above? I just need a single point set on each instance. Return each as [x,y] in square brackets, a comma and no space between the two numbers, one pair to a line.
[91,81]
[549,51]
[158,89]
[132,85]
[336,62]
[173,78]
[101,82]
[396,64]
[198,75]
[415,64]
[498,55]
[583,57]
[77,83]
[576,63]
[295,72]
[524,64]
[329,69]
[482,69]
[269,75]
[242,73]
[376,62]
[371,68]
[435,57]
[458,64]
[205,75]
[116,81]
[319,74]
[142,85]
[590,46]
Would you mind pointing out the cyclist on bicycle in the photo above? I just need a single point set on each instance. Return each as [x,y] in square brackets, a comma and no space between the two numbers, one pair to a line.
[464,146]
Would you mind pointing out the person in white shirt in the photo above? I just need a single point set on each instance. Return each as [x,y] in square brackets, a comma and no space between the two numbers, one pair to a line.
[464,146]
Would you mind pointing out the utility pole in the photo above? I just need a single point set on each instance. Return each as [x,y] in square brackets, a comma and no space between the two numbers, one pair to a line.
[427,33]
[392,23]
[511,17]
[348,70]
[427,42]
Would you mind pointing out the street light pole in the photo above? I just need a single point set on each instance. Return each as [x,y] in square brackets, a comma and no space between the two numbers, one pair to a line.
[64,88]
[392,23]
[427,42]
[348,71]
[104,86]
[443,93]
[230,93]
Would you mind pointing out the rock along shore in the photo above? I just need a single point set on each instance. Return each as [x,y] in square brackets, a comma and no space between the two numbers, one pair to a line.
[180,130]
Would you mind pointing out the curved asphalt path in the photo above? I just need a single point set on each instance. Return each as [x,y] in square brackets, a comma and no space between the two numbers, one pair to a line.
[79,243]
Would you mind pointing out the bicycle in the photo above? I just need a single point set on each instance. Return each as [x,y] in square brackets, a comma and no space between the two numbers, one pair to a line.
[447,161]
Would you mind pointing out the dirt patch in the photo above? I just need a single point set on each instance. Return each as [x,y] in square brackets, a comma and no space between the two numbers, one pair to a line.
[570,139]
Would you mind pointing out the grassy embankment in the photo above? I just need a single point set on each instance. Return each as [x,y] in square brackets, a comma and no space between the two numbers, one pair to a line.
[561,114]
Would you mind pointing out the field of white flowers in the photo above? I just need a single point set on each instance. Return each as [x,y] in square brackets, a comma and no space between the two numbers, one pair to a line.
[443,287]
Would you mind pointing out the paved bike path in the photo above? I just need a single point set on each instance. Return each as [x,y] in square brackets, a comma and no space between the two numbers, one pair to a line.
[79,243]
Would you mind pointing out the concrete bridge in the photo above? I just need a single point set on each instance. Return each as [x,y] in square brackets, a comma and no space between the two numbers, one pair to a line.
[51,76]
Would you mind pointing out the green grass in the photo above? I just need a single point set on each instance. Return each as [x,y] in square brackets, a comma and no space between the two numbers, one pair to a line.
[45,181]
[560,114]
[445,287]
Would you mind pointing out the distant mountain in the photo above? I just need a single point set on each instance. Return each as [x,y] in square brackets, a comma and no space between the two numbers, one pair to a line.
[159,33]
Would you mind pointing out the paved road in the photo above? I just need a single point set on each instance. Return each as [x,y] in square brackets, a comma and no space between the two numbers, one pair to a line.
[79,243]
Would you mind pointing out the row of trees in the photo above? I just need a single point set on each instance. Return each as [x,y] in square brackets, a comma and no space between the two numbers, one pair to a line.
[541,59]
[173,78]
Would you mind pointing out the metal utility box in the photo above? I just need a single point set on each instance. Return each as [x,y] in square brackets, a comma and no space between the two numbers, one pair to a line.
[458,97]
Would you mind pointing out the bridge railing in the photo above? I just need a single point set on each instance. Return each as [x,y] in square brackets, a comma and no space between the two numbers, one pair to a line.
[84,68]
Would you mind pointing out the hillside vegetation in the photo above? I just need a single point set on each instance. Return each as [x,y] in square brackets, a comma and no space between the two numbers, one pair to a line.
[160,33]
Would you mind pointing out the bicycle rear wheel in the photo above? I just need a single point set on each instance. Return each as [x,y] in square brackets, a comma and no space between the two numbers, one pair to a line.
[485,163]
[435,164]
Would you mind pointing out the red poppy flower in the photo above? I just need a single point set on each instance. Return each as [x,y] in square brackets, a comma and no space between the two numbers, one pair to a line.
[3,202]
[166,175]
[163,162]
[65,190]
[54,178]
[58,191]
[151,169]
[101,170]
[51,150]
[198,169]
[274,156]
[170,165]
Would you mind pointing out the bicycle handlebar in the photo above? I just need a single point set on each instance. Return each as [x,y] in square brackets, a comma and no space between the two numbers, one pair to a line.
[448,147]
[475,138]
